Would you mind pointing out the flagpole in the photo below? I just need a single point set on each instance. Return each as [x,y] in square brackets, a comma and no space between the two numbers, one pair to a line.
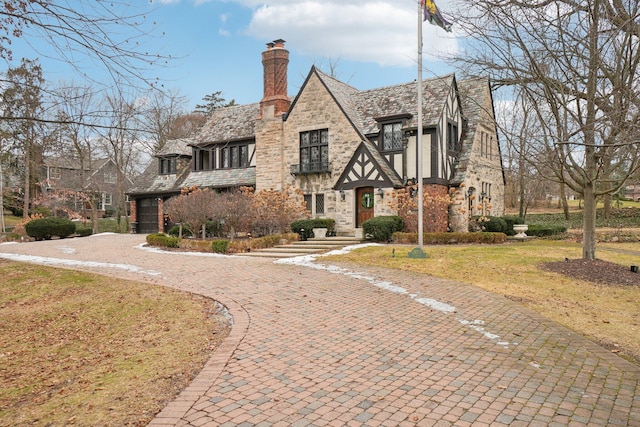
[419,132]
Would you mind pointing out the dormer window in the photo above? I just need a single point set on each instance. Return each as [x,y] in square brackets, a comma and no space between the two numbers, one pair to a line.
[167,165]
[392,136]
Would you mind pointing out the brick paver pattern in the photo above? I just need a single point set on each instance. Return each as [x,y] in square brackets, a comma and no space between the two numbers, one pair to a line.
[311,347]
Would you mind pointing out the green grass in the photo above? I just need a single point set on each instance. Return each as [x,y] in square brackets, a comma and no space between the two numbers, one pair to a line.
[609,315]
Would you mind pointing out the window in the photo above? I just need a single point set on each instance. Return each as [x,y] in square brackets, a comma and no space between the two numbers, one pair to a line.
[105,201]
[206,160]
[235,156]
[452,137]
[109,178]
[314,151]
[54,173]
[167,166]
[319,203]
[392,136]
[307,201]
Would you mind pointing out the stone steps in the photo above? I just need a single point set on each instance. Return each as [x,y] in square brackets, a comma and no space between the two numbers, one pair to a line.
[304,247]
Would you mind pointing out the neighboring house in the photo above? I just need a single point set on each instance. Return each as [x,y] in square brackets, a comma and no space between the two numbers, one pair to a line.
[346,149]
[632,192]
[65,175]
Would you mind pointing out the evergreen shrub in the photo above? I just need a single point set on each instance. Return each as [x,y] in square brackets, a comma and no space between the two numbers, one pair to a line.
[46,228]
[162,240]
[381,228]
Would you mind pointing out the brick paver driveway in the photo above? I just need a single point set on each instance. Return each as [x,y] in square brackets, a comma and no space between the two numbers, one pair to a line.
[317,347]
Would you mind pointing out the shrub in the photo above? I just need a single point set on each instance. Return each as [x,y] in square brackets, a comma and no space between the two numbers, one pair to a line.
[491,224]
[381,228]
[545,230]
[42,210]
[45,228]
[309,224]
[450,238]
[162,240]
[83,230]
[220,246]
[511,221]
[175,231]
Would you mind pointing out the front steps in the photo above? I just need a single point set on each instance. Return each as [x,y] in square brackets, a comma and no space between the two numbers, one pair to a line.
[304,247]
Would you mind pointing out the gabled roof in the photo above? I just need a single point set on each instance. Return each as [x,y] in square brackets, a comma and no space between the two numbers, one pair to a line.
[176,147]
[362,108]
[358,173]
[71,163]
[472,98]
[233,123]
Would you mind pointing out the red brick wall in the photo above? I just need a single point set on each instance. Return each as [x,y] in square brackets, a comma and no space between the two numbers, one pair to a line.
[436,208]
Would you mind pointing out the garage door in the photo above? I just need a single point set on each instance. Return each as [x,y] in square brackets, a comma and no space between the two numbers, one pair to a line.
[147,215]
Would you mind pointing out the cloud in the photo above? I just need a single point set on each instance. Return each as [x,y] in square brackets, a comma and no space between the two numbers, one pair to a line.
[382,32]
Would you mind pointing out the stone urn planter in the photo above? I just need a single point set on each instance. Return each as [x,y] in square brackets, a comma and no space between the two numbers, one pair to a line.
[521,230]
[320,233]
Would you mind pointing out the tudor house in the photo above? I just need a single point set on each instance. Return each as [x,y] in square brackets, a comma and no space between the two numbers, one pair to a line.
[346,149]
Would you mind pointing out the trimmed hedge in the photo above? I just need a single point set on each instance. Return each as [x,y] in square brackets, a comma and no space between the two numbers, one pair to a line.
[82,230]
[309,224]
[545,230]
[450,238]
[263,242]
[46,228]
[162,240]
[381,228]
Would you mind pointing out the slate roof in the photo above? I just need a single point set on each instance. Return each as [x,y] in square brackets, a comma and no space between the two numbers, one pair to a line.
[176,147]
[363,107]
[222,178]
[151,182]
[233,123]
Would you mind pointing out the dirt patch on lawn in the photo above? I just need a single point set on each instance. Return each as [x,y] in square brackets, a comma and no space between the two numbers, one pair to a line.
[597,271]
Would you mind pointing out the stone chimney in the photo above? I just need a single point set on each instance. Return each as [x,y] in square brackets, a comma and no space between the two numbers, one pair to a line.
[275,61]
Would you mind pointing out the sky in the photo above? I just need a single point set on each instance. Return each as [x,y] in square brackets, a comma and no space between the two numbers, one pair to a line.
[216,45]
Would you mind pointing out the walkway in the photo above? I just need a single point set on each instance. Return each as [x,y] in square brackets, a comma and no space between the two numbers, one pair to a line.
[329,347]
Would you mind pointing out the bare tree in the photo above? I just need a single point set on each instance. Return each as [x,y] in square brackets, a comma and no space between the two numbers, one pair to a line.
[162,110]
[578,64]
[121,140]
[109,34]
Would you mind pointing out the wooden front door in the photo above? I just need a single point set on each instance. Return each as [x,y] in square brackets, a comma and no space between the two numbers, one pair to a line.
[364,205]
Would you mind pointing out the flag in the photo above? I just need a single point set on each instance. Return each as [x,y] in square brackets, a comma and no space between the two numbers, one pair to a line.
[433,15]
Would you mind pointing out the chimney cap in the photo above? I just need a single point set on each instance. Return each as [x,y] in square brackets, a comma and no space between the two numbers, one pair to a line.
[276,43]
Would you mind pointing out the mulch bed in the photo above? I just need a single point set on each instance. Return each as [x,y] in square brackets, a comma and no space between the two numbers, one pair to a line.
[597,271]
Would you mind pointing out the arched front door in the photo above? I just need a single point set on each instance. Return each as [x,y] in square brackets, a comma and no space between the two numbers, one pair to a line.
[364,205]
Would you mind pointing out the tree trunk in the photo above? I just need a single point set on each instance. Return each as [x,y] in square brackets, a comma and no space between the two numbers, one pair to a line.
[565,204]
[589,224]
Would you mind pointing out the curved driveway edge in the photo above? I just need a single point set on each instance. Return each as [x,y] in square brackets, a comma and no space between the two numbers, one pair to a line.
[328,346]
